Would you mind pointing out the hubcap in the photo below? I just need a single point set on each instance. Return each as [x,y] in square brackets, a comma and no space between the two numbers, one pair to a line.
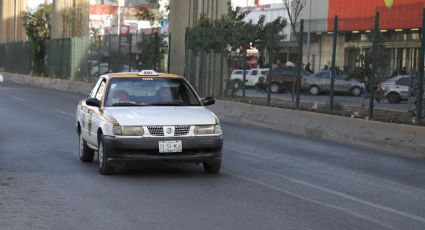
[100,155]
[314,90]
[356,92]
[275,88]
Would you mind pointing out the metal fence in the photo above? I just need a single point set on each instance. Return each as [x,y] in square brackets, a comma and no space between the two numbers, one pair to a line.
[374,74]
[85,58]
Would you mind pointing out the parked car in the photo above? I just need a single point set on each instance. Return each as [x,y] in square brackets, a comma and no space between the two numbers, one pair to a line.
[147,116]
[321,82]
[98,69]
[396,88]
[283,78]
[251,78]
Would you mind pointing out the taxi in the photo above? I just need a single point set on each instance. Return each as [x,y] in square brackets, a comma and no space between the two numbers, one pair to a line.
[147,116]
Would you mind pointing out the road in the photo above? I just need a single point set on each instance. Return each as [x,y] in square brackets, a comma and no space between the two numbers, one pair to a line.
[323,99]
[270,180]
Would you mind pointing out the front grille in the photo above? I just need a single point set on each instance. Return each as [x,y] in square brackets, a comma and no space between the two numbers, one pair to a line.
[181,130]
[156,131]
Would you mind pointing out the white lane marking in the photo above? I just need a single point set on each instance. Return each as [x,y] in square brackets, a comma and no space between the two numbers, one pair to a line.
[313,201]
[63,112]
[346,196]
[18,98]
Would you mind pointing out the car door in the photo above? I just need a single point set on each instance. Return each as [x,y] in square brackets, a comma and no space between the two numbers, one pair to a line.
[252,77]
[341,83]
[84,111]
[93,116]
[402,86]
[237,74]
[325,81]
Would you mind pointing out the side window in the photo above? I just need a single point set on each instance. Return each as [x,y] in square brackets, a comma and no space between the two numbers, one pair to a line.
[238,72]
[93,91]
[325,75]
[100,90]
[403,81]
[264,72]
[254,72]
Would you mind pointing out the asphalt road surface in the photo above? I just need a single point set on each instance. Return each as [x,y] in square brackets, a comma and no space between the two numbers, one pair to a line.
[269,180]
[345,100]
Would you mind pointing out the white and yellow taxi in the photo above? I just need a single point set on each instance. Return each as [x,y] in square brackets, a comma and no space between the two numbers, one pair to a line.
[147,116]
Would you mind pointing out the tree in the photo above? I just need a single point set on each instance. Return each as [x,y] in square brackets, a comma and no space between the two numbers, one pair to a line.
[37,27]
[37,23]
[294,8]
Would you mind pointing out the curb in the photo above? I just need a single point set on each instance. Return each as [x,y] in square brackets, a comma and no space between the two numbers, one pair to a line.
[400,139]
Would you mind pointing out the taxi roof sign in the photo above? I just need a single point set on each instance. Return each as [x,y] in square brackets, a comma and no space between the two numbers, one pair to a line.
[148,73]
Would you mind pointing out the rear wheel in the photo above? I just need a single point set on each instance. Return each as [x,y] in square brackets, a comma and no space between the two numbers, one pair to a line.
[104,167]
[238,84]
[314,90]
[85,152]
[394,98]
[212,167]
[356,91]
[275,88]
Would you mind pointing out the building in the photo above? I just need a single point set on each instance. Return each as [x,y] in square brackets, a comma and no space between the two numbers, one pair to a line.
[11,13]
[399,26]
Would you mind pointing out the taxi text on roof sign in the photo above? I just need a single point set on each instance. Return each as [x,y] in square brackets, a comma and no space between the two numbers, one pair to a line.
[148,73]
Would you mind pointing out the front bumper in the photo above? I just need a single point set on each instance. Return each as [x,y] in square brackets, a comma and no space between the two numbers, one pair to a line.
[195,149]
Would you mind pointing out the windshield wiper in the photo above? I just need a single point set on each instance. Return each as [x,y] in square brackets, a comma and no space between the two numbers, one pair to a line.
[126,104]
[169,103]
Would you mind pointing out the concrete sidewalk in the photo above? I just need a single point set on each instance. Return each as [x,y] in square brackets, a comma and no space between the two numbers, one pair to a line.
[406,140]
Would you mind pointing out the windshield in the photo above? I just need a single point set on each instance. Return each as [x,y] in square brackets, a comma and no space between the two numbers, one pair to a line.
[150,92]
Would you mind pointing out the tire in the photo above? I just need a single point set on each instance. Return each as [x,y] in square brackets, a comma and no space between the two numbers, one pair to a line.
[212,167]
[394,98]
[85,152]
[356,91]
[275,88]
[238,84]
[314,90]
[104,167]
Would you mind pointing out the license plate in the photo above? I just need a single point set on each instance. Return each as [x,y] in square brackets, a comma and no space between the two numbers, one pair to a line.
[170,146]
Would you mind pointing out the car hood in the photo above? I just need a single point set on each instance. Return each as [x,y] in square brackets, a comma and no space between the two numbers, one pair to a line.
[161,115]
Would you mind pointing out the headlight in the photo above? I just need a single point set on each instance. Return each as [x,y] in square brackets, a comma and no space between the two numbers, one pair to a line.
[128,130]
[207,130]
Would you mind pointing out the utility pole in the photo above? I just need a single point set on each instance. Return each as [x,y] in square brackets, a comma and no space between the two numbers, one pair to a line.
[309,30]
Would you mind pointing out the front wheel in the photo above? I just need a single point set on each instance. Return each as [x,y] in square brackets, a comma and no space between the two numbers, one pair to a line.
[104,167]
[394,98]
[212,167]
[275,88]
[314,90]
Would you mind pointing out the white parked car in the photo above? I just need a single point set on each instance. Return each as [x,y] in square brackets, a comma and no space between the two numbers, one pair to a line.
[396,89]
[147,116]
[252,75]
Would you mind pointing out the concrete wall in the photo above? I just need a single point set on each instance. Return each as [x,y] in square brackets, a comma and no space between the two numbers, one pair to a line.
[183,14]
[399,139]
[70,18]
[11,13]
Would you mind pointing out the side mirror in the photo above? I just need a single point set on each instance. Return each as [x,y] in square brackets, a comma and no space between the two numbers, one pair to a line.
[206,101]
[93,102]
